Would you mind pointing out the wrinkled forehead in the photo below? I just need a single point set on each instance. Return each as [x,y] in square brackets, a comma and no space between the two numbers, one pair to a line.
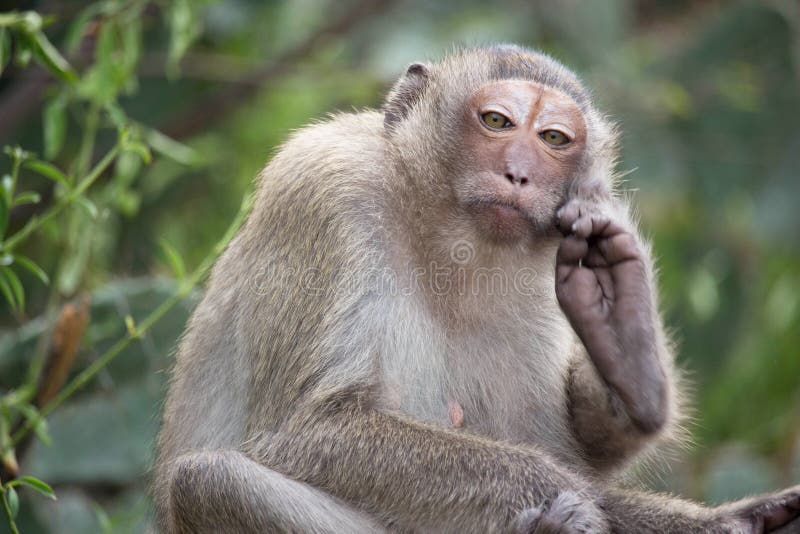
[510,65]
[522,93]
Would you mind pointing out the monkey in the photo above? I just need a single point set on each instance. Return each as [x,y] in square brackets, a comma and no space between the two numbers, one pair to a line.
[439,316]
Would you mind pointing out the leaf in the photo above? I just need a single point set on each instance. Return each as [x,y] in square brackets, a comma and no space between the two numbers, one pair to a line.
[50,57]
[116,114]
[184,28]
[30,22]
[5,48]
[130,326]
[174,150]
[39,423]
[28,264]
[127,202]
[7,189]
[102,518]
[174,259]
[3,215]
[27,197]
[55,126]
[138,148]
[13,501]
[5,288]
[88,205]
[48,170]
[77,29]
[23,51]
[36,484]
[16,286]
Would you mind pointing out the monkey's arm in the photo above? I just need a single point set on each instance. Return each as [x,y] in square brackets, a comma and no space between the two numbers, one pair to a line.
[418,476]
[621,385]
[410,474]
[600,420]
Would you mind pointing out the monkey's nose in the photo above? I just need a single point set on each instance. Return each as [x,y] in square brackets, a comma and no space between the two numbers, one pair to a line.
[516,178]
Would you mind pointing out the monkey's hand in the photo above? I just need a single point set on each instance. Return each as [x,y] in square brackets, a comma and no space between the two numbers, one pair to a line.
[569,513]
[777,512]
[603,287]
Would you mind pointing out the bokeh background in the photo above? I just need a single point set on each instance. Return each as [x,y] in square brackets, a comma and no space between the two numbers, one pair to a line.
[707,95]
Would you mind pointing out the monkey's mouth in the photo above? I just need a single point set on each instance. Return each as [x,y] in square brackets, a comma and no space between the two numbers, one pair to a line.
[502,220]
[503,209]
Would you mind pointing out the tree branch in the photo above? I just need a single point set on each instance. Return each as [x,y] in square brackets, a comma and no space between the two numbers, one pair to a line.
[218,106]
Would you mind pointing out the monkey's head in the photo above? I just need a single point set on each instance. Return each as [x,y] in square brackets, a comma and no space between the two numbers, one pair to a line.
[497,135]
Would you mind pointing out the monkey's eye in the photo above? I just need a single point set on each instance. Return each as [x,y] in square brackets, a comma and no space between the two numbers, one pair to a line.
[496,121]
[554,137]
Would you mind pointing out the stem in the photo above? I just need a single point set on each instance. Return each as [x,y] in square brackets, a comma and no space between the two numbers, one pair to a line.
[11,524]
[34,224]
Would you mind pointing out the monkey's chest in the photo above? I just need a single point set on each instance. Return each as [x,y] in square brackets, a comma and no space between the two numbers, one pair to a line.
[501,383]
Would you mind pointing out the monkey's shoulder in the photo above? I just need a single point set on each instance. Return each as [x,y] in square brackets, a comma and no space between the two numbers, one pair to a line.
[344,147]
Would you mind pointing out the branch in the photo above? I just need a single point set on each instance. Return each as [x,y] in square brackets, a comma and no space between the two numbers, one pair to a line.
[218,106]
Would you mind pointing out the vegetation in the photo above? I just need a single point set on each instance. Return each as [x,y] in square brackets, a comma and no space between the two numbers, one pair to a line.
[133,130]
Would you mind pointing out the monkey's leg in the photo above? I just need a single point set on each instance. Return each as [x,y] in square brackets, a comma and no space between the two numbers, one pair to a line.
[226,492]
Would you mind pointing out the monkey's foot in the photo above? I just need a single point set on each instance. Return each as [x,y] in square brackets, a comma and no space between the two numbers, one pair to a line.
[569,513]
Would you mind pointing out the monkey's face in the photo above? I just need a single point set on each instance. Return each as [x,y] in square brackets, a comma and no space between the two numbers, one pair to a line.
[523,143]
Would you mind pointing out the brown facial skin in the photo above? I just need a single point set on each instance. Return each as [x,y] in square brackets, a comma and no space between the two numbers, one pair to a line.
[518,178]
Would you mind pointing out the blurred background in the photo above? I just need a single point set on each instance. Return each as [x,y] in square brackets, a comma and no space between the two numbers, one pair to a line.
[142,124]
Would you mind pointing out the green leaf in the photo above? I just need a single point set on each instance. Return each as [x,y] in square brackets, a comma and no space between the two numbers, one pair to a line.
[36,484]
[23,52]
[174,150]
[34,269]
[7,188]
[30,22]
[138,148]
[184,28]
[102,518]
[50,57]
[48,170]
[27,197]
[127,202]
[173,259]
[5,288]
[5,48]
[117,115]
[16,286]
[55,126]
[39,423]
[3,215]
[88,205]
[77,29]
[13,502]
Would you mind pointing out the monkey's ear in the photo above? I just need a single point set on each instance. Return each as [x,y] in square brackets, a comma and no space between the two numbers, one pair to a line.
[405,93]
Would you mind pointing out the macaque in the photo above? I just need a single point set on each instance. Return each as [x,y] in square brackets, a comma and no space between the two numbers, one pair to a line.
[439,317]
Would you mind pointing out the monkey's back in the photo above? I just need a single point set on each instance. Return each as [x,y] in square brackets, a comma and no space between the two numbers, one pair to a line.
[259,306]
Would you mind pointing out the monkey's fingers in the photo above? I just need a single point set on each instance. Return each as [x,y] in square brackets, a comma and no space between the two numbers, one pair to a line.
[567,215]
[571,251]
[619,248]
[780,514]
